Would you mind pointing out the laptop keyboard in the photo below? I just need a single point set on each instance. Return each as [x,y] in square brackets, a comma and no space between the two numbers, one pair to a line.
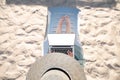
[61,50]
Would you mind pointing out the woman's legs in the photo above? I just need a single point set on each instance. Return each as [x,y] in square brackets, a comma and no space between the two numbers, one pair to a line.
[60,23]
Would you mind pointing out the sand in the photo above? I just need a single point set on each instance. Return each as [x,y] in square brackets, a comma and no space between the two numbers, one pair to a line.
[22,30]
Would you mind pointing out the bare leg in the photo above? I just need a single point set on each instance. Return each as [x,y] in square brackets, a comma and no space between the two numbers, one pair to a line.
[59,27]
[68,25]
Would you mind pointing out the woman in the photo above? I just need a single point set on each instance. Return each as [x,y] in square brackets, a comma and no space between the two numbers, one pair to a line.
[68,29]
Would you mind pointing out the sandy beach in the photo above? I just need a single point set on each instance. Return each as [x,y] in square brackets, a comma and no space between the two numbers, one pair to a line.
[22,30]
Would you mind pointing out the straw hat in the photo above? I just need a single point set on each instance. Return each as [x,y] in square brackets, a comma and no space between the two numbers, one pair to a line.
[56,66]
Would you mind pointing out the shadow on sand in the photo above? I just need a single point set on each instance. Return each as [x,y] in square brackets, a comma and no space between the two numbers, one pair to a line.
[70,3]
